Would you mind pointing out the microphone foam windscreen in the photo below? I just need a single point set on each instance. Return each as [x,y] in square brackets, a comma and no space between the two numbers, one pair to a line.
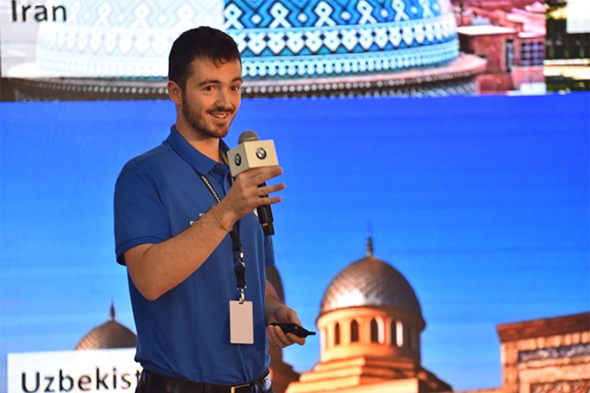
[247,136]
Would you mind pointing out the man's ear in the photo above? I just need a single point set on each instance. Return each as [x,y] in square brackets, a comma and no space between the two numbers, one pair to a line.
[174,92]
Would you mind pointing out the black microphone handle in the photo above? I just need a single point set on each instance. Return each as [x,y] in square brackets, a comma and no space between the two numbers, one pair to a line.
[265,216]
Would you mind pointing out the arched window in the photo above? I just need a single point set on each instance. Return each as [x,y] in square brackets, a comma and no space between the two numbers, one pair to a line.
[354,331]
[398,334]
[337,334]
[374,331]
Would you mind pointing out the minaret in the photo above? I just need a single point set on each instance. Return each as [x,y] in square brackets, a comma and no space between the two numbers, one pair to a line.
[369,252]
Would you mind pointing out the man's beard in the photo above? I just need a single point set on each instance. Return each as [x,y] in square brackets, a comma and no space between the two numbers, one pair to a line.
[198,126]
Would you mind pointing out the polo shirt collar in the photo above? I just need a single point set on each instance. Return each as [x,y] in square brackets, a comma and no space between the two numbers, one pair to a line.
[200,162]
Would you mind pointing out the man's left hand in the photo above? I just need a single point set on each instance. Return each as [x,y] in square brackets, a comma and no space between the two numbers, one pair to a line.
[276,337]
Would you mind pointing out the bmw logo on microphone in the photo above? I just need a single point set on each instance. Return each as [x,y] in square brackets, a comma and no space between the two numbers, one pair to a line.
[238,159]
[261,153]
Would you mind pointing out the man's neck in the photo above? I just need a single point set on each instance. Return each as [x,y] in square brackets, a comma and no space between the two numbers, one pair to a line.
[207,146]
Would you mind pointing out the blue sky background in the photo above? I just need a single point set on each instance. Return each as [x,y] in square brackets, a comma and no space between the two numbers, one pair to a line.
[481,202]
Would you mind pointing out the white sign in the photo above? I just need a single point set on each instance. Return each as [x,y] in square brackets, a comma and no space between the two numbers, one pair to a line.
[101,370]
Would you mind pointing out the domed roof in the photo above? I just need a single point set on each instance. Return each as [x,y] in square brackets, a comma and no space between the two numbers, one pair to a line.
[303,48]
[279,39]
[328,38]
[370,282]
[110,334]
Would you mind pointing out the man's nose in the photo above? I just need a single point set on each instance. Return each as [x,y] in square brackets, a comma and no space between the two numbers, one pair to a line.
[224,98]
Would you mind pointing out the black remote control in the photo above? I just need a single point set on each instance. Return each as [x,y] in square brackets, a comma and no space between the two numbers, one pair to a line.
[293,328]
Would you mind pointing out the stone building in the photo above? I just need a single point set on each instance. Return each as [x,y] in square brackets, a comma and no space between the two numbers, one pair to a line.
[546,355]
[369,325]
[370,322]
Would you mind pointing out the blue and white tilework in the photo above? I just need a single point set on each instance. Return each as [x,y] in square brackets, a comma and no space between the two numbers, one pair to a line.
[322,38]
[279,39]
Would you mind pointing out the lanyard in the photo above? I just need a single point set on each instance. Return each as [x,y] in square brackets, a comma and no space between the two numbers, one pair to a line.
[239,264]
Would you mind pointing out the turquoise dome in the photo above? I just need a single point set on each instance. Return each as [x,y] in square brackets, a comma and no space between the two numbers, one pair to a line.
[280,39]
[329,38]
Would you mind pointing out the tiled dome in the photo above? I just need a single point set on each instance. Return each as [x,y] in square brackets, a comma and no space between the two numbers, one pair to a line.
[290,48]
[330,38]
[108,335]
[280,39]
[370,282]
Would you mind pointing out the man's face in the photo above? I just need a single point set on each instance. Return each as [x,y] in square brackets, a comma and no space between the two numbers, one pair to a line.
[211,97]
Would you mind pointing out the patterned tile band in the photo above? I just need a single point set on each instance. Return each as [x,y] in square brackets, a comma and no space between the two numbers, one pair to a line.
[327,38]
[566,351]
[279,39]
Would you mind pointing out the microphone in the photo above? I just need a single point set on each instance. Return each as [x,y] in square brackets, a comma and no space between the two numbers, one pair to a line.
[251,152]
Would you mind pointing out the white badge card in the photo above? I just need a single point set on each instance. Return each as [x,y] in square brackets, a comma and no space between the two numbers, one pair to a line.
[241,322]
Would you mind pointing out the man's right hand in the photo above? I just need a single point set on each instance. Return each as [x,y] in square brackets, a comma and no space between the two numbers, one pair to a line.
[245,195]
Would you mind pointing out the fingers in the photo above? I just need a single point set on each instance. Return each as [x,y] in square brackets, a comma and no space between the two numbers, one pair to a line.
[245,194]
[257,176]
[278,339]
[253,188]
[264,191]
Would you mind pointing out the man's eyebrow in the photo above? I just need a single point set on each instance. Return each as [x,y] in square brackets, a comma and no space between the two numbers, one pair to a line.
[217,81]
[208,82]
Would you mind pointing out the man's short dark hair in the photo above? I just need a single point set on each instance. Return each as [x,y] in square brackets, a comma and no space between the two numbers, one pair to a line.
[201,42]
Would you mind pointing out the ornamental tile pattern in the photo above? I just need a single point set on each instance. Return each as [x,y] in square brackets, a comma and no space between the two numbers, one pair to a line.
[300,39]
[282,39]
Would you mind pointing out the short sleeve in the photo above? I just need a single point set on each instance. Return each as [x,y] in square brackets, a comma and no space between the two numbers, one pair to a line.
[140,214]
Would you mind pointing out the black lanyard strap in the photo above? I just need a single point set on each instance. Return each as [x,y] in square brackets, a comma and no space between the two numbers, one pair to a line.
[239,264]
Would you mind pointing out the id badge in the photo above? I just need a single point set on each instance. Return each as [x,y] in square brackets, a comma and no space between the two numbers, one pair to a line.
[241,322]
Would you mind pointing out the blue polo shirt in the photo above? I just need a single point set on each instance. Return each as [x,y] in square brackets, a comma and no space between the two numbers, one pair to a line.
[185,332]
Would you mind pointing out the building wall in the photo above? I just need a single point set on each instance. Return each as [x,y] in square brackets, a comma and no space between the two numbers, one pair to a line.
[492,47]
[537,358]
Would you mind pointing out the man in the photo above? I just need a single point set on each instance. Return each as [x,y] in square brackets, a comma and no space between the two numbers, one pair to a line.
[176,213]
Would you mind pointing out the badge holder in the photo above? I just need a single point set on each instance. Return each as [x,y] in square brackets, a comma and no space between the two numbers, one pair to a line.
[241,315]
